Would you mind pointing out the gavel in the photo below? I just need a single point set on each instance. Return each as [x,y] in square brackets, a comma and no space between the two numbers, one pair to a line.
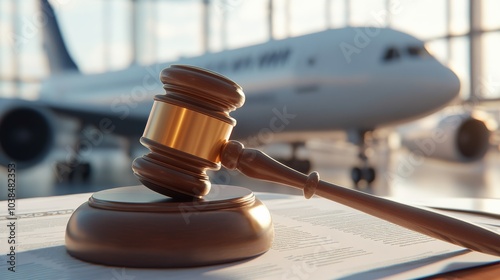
[188,132]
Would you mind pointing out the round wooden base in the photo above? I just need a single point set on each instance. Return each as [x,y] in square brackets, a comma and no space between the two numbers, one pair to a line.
[136,227]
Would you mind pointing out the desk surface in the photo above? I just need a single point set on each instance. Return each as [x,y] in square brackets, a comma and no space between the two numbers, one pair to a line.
[317,237]
[491,272]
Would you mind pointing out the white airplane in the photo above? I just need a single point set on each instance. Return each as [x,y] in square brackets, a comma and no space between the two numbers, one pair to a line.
[353,79]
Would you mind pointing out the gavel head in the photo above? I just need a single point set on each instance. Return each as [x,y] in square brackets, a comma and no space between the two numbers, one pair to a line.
[186,130]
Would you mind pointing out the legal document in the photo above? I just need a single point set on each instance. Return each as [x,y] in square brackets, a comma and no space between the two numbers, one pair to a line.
[314,239]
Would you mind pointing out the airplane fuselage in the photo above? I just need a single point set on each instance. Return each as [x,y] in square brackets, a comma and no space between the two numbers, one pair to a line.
[342,79]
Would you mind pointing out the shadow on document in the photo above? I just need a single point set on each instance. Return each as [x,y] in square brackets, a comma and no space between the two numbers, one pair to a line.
[392,270]
[56,263]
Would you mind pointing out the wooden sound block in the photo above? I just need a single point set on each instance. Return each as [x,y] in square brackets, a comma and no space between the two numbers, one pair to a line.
[136,227]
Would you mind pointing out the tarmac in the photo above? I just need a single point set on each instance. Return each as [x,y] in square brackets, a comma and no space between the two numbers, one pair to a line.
[399,173]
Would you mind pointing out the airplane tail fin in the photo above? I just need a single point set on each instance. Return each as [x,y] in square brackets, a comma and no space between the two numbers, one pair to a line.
[57,54]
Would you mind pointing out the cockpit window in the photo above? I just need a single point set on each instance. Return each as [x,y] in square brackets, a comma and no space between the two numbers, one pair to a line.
[417,51]
[391,54]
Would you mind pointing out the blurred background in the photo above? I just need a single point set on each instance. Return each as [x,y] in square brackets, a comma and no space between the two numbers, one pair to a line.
[110,35]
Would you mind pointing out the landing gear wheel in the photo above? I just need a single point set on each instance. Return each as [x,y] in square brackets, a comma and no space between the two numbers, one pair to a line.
[359,174]
[303,166]
[70,172]
[74,169]
[84,170]
[356,175]
[364,172]
[369,174]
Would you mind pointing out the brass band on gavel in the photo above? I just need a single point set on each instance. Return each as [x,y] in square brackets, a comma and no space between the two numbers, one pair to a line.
[187,130]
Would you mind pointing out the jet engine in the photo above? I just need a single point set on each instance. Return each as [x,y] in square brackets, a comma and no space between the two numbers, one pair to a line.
[458,137]
[26,134]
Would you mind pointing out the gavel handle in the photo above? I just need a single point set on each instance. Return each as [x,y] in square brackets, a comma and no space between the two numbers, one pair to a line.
[256,164]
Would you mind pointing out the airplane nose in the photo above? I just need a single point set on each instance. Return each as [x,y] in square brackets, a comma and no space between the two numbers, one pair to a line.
[451,84]
[443,85]
[433,87]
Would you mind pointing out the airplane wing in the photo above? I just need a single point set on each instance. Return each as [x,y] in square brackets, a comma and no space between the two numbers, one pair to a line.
[103,117]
